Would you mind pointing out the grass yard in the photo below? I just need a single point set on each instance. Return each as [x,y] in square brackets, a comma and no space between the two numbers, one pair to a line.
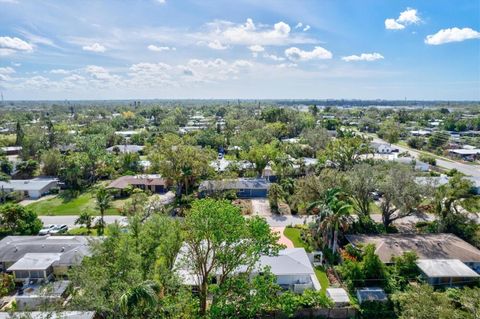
[322,277]
[294,235]
[374,208]
[64,205]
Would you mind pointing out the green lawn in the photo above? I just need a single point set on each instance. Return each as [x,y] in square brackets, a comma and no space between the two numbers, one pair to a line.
[322,277]
[63,205]
[294,235]
[374,208]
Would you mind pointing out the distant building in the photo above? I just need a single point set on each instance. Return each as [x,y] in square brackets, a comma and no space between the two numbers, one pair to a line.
[243,187]
[151,182]
[383,148]
[417,164]
[10,150]
[127,148]
[32,188]
[466,154]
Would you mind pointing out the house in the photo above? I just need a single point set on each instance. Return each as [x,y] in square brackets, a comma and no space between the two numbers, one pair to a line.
[433,181]
[42,257]
[382,148]
[417,164]
[465,154]
[126,148]
[421,133]
[371,294]
[440,256]
[127,134]
[446,272]
[32,188]
[243,187]
[49,315]
[148,182]
[291,267]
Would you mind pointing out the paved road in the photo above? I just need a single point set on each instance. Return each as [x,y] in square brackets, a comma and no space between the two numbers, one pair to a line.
[469,170]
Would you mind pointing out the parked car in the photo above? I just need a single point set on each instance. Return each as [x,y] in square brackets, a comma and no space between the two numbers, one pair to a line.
[46,230]
[59,229]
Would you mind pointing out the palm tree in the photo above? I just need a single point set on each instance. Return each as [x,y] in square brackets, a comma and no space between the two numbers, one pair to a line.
[86,219]
[283,166]
[142,296]
[103,203]
[275,194]
[333,217]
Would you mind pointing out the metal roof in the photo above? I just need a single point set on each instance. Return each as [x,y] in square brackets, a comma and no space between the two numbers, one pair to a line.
[445,268]
[240,183]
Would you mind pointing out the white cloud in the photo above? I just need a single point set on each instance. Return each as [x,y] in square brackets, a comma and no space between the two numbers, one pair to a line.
[452,35]
[10,45]
[307,27]
[296,54]
[391,24]
[273,57]
[7,70]
[155,48]
[59,71]
[217,45]
[407,17]
[100,73]
[256,48]
[299,25]
[363,57]
[161,1]
[95,47]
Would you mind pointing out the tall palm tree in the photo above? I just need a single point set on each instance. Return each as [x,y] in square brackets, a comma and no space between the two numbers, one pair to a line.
[333,216]
[103,203]
[142,296]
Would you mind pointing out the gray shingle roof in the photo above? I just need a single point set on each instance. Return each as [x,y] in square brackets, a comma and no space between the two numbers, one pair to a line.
[240,183]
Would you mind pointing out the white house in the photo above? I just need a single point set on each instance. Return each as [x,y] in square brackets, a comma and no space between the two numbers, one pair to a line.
[292,268]
[382,148]
[33,188]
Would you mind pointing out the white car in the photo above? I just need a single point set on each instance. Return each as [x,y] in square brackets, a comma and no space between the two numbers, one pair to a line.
[46,230]
[59,229]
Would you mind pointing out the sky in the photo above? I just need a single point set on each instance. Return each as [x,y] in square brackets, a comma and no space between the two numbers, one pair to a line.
[247,49]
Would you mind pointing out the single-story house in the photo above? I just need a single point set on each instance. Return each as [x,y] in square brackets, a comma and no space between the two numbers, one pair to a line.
[383,148]
[33,188]
[38,257]
[49,315]
[127,134]
[446,272]
[421,133]
[465,154]
[433,181]
[10,150]
[126,148]
[151,182]
[371,294]
[292,268]
[244,187]
[426,246]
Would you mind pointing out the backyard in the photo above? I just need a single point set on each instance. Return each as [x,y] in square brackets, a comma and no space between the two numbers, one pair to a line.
[63,204]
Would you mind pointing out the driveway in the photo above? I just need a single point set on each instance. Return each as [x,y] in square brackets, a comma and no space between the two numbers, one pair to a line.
[26,202]
[282,240]
[261,207]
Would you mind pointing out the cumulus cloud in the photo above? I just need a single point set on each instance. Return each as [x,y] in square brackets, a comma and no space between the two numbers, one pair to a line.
[95,47]
[7,70]
[59,71]
[307,27]
[256,48]
[407,17]
[155,48]
[318,53]
[9,45]
[299,25]
[217,45]
[161,1]
[273,57]
[363,57]
[452,35]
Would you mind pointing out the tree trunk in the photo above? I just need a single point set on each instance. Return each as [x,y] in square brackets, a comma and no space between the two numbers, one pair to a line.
[335,238]
[203,298]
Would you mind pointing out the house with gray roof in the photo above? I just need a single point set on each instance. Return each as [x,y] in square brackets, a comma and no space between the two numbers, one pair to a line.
[446,272]
[42,257]
[31,188]
[243,187]
[126,148]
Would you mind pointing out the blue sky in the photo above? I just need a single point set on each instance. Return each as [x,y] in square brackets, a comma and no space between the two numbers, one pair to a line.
[240,49]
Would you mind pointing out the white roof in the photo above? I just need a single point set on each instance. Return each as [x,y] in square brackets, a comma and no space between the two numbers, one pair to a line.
[28,184]
[445,268]
[35,261]
[290,261]
[462,151]
[338,295]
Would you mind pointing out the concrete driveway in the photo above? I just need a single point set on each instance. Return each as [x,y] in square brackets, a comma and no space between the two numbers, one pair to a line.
[261,207]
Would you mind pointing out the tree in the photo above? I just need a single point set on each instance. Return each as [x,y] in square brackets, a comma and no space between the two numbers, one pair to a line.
[333,217]
[421,301]
[26,169]
[19,134]
[401,194]
[85,218]
[18,220]
[261,155]
[141,297]
[275,194]
[390,131]
[3,178]
[52,162]
[6,167]
[362,180]
[219,240]
[103,199]
[345,152]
